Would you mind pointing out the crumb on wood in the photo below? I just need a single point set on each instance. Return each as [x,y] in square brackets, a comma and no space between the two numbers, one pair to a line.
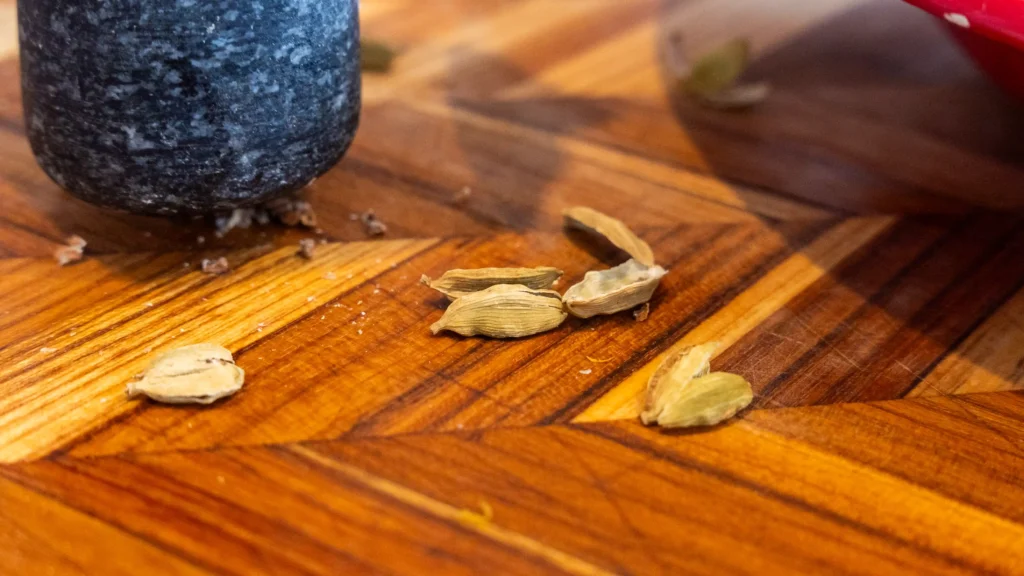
[586,372]
[47,350]
[218,266]
[463,195]
[641,313]
[72,252]
[330,276]
[372,225]
[292,211]
[307,247]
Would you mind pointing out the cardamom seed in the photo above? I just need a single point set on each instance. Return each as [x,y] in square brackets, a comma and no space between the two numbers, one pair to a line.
[503,311]
[612,230]
[681,393]
[457,283]
[625,286]
[718,69]
[712,80]
[197,374]
[375,56]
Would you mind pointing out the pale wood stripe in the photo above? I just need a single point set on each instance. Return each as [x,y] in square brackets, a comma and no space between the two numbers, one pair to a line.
[519,22]
[745,200]
[8,29]
[747,310]
[991,359]
[410,497]
[47,399]
[629,66]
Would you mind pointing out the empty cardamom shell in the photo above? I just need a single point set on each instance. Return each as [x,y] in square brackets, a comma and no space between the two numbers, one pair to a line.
[623,287]
[458,283]
[197,374]
[503,311]
[681,393]
[672,376]
[612,230]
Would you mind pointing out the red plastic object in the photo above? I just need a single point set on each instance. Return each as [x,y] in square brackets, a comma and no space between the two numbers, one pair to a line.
[991,31]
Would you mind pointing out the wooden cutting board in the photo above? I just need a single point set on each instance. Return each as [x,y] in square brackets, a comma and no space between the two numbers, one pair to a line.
[854,242]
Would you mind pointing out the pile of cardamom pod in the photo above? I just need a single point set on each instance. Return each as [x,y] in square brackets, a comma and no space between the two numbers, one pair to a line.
[518,302]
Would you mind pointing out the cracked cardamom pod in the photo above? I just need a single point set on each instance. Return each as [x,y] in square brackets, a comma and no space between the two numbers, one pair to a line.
[197,374]
[623,287]
[708,400]
[503,311]
[612,230]
[681,393]
[458,283]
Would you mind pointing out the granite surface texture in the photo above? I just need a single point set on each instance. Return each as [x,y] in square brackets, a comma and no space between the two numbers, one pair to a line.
[188,106]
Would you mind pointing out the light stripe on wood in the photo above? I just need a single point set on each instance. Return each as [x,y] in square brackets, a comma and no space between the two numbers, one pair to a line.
[991,359]
[8,29]
[747,310]
[525,545]
[49,397]
[630,65]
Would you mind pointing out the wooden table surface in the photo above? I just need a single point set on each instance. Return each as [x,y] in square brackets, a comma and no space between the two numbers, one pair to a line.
[854,242]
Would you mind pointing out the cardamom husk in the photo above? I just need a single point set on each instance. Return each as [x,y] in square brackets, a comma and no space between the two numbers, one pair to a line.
[196,374]
[503,311]
[623,287]
[457,283]
[682,393]
[612,230]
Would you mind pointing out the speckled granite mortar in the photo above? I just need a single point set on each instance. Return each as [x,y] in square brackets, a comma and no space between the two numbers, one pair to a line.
[188,106]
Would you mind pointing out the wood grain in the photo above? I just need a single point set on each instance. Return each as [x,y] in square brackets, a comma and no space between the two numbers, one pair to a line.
[68,379]
[989,359]
[8,29]
[760,494]
[448,382]
[854,242]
